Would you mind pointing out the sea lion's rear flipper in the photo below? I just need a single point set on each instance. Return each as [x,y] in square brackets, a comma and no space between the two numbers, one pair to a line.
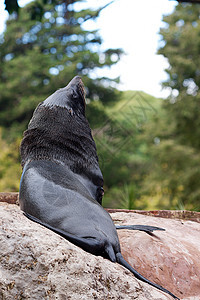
[110,252]
[89,244]
[145,228]
[124,263]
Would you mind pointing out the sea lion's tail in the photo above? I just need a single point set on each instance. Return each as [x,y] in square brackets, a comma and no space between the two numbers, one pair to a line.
[124,263]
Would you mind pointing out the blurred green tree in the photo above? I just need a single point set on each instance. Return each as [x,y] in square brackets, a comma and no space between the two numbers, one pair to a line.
[40,51]
[37,10]
[174,138]
[9,165]
[39,56]
[122,150]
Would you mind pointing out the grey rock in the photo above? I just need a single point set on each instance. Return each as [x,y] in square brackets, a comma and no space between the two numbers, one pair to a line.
[35,263]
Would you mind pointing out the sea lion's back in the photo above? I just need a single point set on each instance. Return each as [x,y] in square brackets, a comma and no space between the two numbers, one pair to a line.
[52,193]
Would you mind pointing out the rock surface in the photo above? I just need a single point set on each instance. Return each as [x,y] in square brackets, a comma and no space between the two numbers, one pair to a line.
[35,263]
[11,198]
[170,258]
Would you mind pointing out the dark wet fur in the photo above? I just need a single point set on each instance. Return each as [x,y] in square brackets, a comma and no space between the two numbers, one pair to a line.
[74,145]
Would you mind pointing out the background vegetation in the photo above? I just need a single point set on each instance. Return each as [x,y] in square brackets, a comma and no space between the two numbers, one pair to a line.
[148,148]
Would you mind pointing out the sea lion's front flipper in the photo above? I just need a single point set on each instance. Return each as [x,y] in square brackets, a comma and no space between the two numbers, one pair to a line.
[124,263]
[89,244]
[145,228]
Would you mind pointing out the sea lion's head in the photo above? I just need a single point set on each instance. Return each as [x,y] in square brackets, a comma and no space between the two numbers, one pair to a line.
[71,97]
[59,131]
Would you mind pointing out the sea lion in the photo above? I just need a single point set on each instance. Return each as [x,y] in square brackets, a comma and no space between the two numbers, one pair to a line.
[61,186]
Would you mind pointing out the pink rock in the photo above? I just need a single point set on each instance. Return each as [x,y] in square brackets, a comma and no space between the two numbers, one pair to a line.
[170,258]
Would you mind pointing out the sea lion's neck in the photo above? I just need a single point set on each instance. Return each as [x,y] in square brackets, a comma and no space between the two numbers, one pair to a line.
[54,133]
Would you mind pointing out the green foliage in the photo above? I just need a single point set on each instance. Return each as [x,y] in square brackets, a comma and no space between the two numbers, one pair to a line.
[174,174]
[11,6]
[175,141]
[181,48]
[36,10]
[38,57]
[123,154]
[10,169]
[128,197]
